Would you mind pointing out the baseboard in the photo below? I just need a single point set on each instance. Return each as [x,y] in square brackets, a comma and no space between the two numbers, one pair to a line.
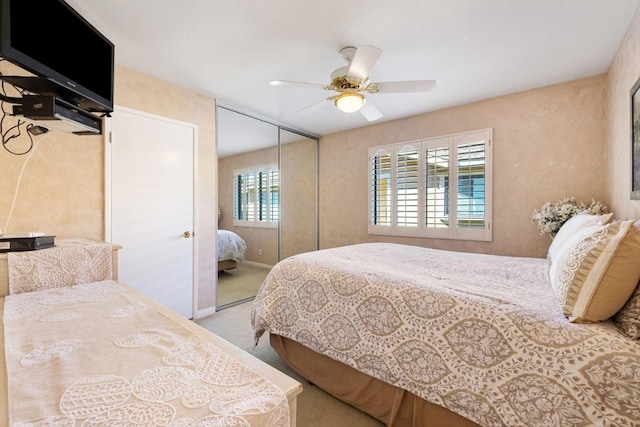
[205,312]
[257,264]
[234,303]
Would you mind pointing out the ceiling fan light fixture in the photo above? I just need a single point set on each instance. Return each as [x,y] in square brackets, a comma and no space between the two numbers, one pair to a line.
[349,102]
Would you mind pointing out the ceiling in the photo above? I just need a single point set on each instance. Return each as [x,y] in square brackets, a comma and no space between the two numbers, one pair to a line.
[474,49]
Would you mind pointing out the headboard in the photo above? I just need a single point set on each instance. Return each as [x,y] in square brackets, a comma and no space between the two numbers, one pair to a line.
[4,269]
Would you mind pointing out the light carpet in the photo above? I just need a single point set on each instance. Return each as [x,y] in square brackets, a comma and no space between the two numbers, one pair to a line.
[316,408]
[239,283]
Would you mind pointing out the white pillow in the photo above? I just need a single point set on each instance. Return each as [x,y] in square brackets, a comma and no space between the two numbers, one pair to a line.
[569,228]
[555,270]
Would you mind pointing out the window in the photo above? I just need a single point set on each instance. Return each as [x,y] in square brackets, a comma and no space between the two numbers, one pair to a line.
[437,187]
[256,196]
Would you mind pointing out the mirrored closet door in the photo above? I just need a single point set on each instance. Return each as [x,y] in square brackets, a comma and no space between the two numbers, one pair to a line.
[267,200]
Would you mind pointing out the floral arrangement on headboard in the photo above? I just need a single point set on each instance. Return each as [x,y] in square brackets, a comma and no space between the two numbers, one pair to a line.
[552,215]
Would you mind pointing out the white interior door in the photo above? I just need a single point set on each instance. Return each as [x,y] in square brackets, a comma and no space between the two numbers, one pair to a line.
[152,205]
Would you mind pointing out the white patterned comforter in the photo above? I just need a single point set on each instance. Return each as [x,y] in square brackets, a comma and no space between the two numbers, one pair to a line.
[231,246]
[97,354]
[482,335]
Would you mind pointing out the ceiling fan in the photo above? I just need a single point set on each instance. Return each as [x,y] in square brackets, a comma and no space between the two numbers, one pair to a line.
[352,82]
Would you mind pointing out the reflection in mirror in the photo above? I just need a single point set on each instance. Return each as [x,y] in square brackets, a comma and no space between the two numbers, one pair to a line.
[247,149]
[267,200]
[298,165]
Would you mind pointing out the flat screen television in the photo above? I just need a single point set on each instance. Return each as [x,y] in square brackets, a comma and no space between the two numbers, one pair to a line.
[68,57]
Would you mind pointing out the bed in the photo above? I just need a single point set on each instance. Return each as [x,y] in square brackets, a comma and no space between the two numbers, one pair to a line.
[423,337]
[231,250]
[93,351]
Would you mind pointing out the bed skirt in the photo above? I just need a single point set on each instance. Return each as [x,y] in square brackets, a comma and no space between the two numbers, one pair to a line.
[227,264]
[389,404]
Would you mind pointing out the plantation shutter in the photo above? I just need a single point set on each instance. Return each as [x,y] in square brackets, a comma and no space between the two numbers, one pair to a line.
[262,190]
[407,187]
[250,194]
[438,187]
[238,191]
[380,189]
[256,196]
[274,195]
[437,159]
[471,185]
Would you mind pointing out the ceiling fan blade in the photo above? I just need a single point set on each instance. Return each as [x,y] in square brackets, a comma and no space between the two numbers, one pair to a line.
[370,111]
[363,60]
[406,86]
[316,105]
[288,83]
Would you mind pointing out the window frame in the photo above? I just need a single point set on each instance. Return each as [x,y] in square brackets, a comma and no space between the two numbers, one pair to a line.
[452,142]
[262,205]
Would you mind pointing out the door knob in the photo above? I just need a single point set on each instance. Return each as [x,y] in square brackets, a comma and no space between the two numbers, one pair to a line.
[186,234]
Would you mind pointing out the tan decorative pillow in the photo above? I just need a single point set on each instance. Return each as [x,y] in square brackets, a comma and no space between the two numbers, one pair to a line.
[597,270]
[629,317]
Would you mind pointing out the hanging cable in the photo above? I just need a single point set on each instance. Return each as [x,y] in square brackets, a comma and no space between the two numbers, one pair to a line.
[10,131]
[15,194]
[10,99]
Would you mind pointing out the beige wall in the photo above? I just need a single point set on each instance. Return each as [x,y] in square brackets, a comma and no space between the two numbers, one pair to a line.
[62,191]
[256,238]
[623,73]
[548,144]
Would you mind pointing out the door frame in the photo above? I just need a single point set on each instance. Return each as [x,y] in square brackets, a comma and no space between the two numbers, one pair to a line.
[108,139]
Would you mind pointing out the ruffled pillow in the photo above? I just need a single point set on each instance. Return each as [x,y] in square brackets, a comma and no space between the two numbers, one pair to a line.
[572,225]
[597,270]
